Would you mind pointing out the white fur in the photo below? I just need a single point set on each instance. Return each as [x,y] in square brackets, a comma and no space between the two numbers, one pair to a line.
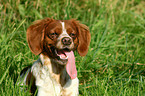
[47,86]
[64,32]
[62,35]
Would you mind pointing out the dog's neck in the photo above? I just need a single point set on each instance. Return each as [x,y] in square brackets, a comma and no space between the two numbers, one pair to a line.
[57,71]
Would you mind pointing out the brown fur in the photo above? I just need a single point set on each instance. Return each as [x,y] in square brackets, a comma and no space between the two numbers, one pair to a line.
[38,40]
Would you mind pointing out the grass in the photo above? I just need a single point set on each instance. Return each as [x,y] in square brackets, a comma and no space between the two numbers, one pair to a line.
[115,63]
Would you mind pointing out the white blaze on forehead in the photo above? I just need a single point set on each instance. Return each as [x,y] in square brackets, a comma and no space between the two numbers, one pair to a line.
[63,27]
[64,32]
[62,35]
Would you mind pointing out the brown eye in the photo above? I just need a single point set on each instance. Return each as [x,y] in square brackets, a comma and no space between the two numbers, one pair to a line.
[72,35]
[54,35]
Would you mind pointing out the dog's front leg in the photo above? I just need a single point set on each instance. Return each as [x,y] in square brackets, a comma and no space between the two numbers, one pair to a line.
[71,88]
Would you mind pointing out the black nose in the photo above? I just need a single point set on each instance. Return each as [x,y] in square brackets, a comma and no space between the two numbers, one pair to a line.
[66,41]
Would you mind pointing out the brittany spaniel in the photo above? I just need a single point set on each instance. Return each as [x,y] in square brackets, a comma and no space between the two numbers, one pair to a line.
[54,73]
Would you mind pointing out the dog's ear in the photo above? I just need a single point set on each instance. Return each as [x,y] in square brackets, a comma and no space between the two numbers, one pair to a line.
[84,38]
[35,35]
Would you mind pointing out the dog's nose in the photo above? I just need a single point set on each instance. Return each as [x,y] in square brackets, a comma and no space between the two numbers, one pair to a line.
[66,41]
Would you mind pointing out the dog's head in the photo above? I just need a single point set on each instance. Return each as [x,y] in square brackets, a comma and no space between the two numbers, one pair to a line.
[54,37]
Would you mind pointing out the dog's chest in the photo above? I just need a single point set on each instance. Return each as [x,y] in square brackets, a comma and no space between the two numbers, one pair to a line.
[46,82]
[50,82]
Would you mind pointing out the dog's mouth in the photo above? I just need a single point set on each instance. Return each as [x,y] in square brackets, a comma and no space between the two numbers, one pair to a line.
[62,54]
[66,57]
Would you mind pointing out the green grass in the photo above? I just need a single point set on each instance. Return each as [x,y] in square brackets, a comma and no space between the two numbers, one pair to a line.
[115,63]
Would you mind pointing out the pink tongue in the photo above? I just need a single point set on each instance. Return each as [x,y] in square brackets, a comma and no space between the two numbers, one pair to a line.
[71,67]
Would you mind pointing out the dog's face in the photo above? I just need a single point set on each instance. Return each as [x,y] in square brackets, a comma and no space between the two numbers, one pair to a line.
[62,35]
[54,37]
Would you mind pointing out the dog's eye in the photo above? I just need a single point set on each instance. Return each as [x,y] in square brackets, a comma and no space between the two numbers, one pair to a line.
[54,35]
[72,35]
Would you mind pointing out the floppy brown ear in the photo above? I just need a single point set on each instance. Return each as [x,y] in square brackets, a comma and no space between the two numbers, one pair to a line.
[35,35]
[84,38]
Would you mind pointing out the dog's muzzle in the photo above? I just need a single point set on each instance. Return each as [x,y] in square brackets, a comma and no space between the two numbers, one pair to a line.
[66,41]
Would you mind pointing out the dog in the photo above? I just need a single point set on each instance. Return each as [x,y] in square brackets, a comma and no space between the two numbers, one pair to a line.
[54,73]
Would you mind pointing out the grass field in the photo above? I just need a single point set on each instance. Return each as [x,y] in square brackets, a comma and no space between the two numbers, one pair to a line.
[115,63]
